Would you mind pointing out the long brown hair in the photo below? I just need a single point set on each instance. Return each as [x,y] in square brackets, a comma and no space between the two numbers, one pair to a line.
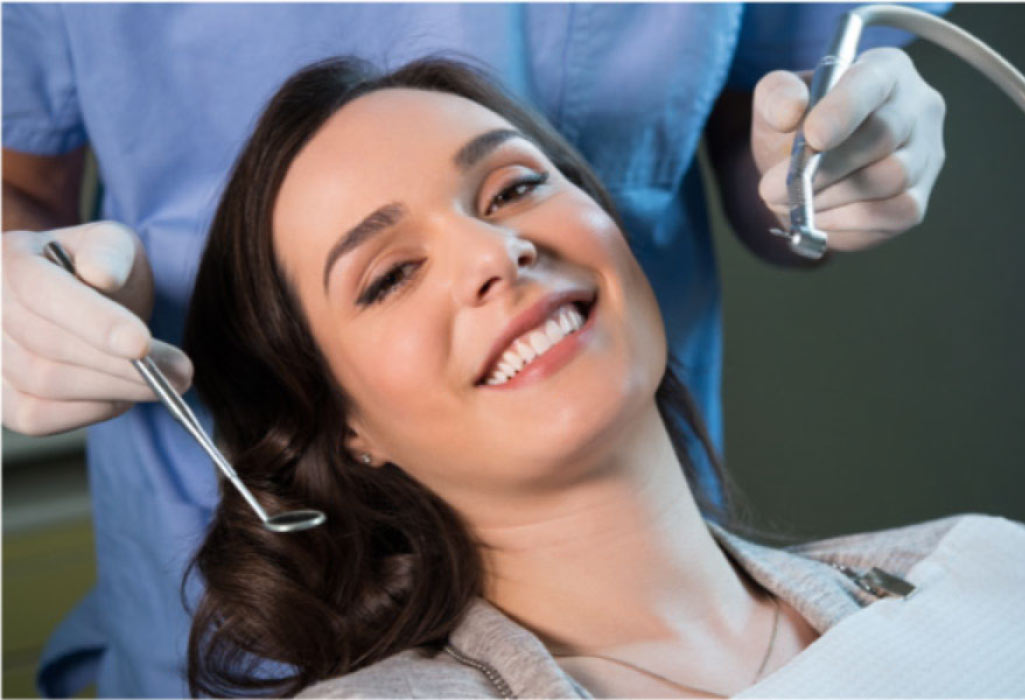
[394,567]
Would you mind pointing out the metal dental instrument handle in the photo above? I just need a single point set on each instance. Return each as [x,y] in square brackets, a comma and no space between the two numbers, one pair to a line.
[282,522]
[805,239]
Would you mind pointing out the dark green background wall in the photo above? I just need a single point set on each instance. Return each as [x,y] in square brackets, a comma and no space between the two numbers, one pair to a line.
[888,387]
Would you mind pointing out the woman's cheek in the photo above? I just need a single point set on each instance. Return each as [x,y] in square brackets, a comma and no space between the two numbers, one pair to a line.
[592,233]
[402,361]
[577,205]
[628,290]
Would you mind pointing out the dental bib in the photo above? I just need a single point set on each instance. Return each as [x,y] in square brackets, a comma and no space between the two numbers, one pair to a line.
[961,633]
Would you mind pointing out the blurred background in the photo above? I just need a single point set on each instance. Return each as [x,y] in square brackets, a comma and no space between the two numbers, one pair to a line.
[886,388]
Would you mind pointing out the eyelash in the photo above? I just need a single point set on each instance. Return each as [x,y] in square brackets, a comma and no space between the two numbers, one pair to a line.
[381,288]
[531,181]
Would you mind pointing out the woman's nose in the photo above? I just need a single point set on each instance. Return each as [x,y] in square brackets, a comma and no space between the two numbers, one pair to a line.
[491,258]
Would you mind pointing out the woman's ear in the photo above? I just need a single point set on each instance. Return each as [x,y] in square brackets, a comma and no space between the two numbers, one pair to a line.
[360,449]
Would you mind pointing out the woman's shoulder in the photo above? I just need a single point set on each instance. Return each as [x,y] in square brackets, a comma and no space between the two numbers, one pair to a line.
[898,549]
[408,674]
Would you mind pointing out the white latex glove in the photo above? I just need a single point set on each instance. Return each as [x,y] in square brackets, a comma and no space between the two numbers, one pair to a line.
[67,343]
[882,129]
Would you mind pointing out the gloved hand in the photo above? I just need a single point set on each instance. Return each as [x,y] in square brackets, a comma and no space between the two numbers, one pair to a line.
[68,342]
[881,127]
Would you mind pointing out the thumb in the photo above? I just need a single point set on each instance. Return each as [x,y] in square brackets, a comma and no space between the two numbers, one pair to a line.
[103,253]
[174,363]
[780,100]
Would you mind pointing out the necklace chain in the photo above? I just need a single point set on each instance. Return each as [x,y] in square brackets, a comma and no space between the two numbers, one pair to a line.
[695,689]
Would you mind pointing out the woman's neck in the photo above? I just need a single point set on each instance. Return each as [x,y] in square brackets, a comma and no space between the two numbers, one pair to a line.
[620,560]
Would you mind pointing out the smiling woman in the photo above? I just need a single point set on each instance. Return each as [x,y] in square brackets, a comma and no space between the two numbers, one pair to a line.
[419,313]
[385,244]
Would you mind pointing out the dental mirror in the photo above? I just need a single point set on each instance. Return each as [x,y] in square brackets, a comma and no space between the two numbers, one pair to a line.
[294,520]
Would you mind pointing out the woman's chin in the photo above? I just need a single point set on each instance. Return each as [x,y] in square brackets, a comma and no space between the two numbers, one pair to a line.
[562,433]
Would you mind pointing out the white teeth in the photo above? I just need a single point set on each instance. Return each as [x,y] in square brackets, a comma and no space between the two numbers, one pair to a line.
[511,357]
[539,341]
[554,331]
[526,352]
[564,323]
[531,346]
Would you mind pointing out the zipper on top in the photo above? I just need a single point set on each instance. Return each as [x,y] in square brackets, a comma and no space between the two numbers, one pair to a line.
[487,669]
[877,582]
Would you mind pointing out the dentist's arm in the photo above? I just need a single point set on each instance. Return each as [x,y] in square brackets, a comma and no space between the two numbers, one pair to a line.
[67,342]
[882,129]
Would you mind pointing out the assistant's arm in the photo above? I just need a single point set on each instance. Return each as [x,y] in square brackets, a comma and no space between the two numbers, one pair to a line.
[41,192]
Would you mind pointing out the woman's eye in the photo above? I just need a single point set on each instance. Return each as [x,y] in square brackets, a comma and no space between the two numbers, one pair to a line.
[386,283]
[516,190]
[394,278]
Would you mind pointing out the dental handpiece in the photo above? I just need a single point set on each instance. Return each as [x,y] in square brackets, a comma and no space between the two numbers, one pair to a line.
[281,522]
[805,239]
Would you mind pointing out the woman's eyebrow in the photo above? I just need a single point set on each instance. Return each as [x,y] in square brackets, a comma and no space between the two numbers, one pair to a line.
[481,145]
[380,219]
[386,216]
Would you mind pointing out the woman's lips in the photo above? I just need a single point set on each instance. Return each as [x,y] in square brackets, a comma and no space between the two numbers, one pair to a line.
[554,358]
[532,316]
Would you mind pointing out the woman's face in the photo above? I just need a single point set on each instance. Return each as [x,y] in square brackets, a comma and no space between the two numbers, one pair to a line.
[415,245]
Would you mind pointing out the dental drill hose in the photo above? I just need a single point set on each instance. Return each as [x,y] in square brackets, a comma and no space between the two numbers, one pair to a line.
[805,239]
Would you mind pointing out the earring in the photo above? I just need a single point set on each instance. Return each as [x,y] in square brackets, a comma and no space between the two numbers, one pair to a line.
[365,458]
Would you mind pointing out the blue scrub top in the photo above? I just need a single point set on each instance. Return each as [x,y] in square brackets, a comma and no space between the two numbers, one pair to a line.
[167,94]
